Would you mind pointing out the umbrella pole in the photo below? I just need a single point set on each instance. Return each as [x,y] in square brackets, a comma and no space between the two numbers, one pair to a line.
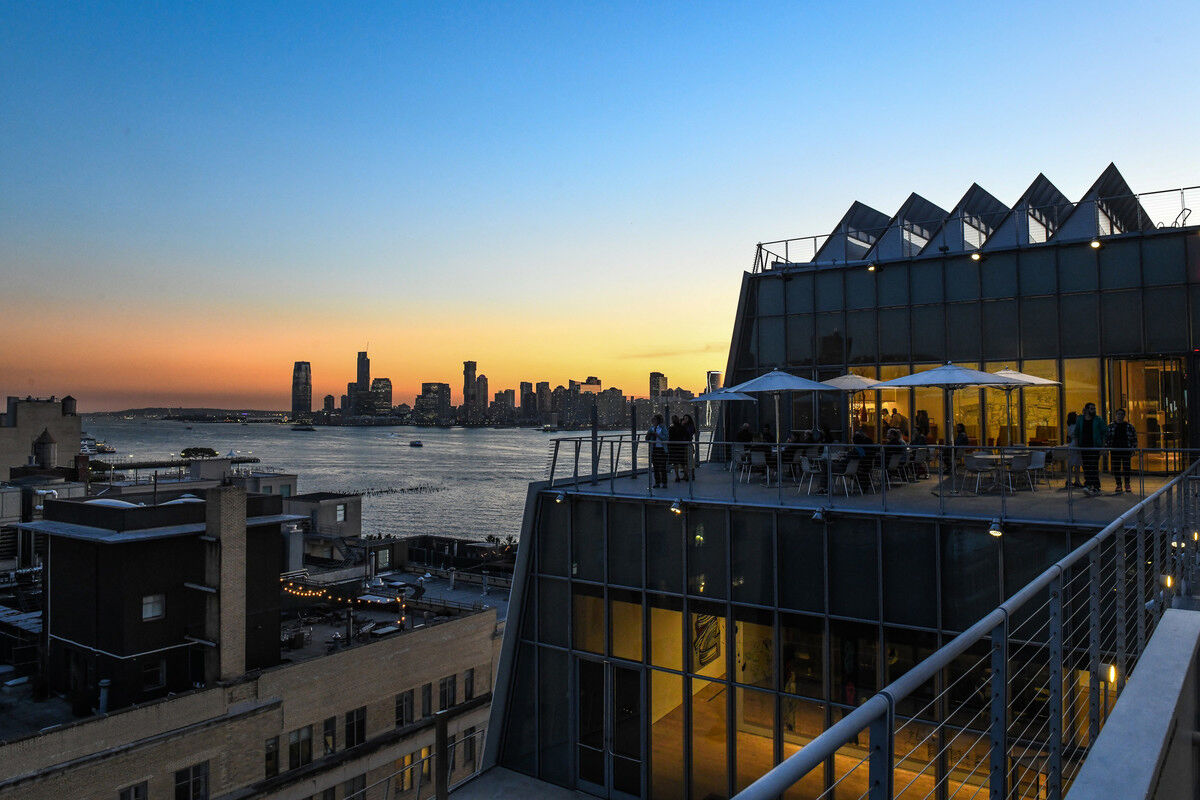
[777,431]
[950,437]
[1008,401]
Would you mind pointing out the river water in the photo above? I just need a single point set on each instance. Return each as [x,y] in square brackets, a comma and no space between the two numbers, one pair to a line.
[465,482]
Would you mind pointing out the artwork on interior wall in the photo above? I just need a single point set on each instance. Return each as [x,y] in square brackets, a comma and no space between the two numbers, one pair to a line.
[706,639]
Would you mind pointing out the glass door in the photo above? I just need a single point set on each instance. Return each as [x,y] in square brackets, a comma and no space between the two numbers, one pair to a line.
[1152,393]
[609,747]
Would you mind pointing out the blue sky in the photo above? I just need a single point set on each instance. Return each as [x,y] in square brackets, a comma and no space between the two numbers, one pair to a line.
[545,171]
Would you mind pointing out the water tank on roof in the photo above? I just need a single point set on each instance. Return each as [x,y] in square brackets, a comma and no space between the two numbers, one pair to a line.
[68,406]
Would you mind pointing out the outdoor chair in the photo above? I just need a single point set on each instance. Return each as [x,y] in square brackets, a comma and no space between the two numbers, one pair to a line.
[1037,468]
[847,475]
[811,471]
[1018,466]
[921,462]
[758,463]
[737,456]
[978,468]
[894,467]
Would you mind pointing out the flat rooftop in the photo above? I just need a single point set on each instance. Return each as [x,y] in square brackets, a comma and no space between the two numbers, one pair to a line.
[931,496]
[316,497]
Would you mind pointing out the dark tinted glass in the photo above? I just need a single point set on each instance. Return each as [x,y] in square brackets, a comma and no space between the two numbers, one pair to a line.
[587,539]
[928,333]
[1077,268]
[770,296]
[1000,330]
[664,548]
[892,281]
[853,661]
[927,281]
[831,339]
[909,577]
[1163,260]
[748,346]
[962,279]
[860,288]
[770,342]
[799,339]
[829,290]
[853,559]
[801,563]
[552,537]
[756,639]
[1027,554]
[706,552]
[520,736]
[802,648]
[552,611]
[970,577]
[753,573]
[799,292]
[1038,271]
[554,736]
[860,337]
[1166,320]
[963,323]
[1120,266]
[999,275]
[1039,327]
[1121,322]
[625,544]
[893,334]
[1077,324]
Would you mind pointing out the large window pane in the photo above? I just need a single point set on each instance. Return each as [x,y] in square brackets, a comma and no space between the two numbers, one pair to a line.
[753,575]
[909,577]
[853,660]
[709,729]
[853,559]
[770,341]
[928,333]
[803,721]
[1081,383]
[906,649]
[754,643]
[829,290]
[587,632]
[860,288]
[831,339]
[927,282]
[801,562]
[520,741]
[893,334]
[1121,323]
[1039,327]
[754,726]
[1000,330]
[552,602]
[554,736]
[1166,320]
[1120,266]
[587,539]
[666,631]
[970,575]
[666,743]
[625,624]
[1077,324]
[800,339]
[1038,273]
[1077,268]
[770,295]
[962,319]
[962,279]
[860,337]
[552,537]
[706,552]
[1163,260]
[802,650]
[664,548]
[799,292]
[625,544]
[1040,404]
[929,415]
[891,400]
[999,275]
[893,284]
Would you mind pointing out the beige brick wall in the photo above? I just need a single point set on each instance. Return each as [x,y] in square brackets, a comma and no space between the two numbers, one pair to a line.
[229,725]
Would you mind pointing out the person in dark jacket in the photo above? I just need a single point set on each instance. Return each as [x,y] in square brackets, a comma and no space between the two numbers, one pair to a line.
[657,435]
[1090,433]
[678,437]
[1121,439]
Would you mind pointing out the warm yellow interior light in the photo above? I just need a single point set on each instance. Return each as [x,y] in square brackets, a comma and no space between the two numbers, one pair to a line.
[1112,673]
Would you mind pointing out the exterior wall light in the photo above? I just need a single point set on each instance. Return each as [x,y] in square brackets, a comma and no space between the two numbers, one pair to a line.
[1095,244]
[870,267]
[995,529]
[1167,581]
[818,516]
[1112,674]
[976,256]
[677,507]
[561,497]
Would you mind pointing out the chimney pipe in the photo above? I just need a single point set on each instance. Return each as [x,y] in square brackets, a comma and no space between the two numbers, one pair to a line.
[104,684]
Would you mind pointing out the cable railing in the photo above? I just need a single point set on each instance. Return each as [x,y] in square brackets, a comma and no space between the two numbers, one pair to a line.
[433,772]
[968,231]
[1027,483]
[1030,685]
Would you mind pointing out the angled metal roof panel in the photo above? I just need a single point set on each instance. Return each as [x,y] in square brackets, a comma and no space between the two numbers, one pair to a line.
[1107,208]
[1042,203]
[853,236]
[909,230]
[969,224]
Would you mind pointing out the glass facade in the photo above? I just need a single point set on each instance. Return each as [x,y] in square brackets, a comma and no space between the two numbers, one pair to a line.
[701,648]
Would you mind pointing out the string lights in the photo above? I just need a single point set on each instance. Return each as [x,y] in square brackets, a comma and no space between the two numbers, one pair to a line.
[300,590]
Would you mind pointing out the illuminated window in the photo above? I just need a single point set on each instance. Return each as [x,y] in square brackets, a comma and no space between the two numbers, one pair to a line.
[341,512]
[154,606]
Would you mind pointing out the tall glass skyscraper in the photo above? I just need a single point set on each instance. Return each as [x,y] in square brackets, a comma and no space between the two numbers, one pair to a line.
[301,389]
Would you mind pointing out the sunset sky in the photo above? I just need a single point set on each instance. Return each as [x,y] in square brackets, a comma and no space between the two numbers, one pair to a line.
[195,195]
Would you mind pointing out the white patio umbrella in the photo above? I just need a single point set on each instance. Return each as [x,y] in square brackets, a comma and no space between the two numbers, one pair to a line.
[777,382]
[851,384]
[1026,380]
[949,378]
[719,395]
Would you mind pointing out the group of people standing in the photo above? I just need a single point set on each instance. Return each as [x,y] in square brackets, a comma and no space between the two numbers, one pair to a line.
[671,447]
[1087,435]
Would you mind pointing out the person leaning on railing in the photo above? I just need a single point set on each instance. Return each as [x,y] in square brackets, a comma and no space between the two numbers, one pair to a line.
[1121,440]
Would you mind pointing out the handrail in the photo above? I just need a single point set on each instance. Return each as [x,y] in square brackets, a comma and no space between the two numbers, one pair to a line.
[775,782]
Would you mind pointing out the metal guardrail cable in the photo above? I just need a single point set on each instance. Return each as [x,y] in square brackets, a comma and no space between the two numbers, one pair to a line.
[915,717]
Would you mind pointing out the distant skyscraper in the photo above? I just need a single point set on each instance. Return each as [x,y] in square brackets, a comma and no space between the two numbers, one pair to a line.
[433,402]
[544,397]
[301,389]
[591,386]
[481,393]
[527,399]
[381,392]
[658,384]
[469,384]
[330,403]
[508,397]
[364,372]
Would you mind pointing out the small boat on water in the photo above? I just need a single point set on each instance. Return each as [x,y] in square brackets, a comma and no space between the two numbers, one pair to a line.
[415,443]
[303,428]
[104,447]
[87,445]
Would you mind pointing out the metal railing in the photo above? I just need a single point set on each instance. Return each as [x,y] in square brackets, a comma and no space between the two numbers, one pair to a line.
[1168,208]
[1022,694]
[1002,483]
[435,775]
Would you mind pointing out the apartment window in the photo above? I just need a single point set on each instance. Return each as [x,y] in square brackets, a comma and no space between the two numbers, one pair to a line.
[154,606]
[469,685]
[383,559]
[330,735]
[468,746]
[451,742]
[328,794]
[286,490]
[427,700]
[447,692]
[192,783]
[154,675]
[404,708]
[356,726]
[426,764]
[341,512]
[271,757]
[405,766]
[139,791]
[300,747]
[355,788]
[266,490]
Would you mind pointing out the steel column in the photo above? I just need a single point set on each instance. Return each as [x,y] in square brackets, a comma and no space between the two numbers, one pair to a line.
[879,764]
[1122,643]
[1093,645]
[998,774]
[1054,779]
[1141,580]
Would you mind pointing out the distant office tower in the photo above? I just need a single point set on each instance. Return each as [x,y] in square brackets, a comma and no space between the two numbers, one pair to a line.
[345,403]
[543,397]
[433,402]
[469,384]
[591,386]
[481,393]
[381,393]
[330,403]
[527,399]
[364,372]
[301,389]
[658,384]
[508,398]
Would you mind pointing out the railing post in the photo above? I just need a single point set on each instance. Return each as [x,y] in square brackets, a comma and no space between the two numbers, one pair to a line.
[882,751]
[1093,645]
[998,773]
[441,758]
[553,461]
[1122,644]
[1141,580]
[1055,711]
[576,472]
[1156,542]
